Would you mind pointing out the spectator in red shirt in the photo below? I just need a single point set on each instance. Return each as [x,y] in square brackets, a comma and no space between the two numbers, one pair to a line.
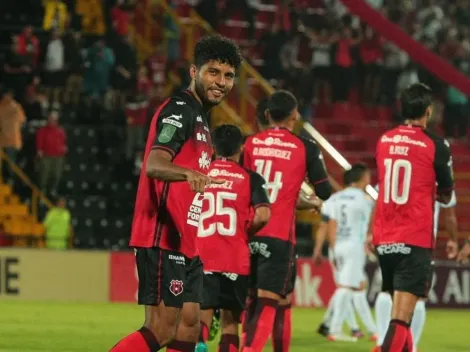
[371,53]
[51,146]
[343,69]
[28,44]
[120,19]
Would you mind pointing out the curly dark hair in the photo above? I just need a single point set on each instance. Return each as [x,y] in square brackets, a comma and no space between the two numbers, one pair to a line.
[219,48]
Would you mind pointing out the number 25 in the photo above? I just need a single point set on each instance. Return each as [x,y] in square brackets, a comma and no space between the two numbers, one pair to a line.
[216,207]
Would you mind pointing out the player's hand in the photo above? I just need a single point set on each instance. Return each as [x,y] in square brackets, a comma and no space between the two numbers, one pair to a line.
[464,254]
[452,249]
[317,258]
[198,181]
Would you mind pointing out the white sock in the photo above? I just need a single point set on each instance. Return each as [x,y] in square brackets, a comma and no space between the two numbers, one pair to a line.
[329,311]
[383,314]
[417,323]
[340,306]
[350,317]
[362,308]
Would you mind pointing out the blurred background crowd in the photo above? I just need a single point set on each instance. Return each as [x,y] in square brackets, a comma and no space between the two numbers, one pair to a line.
[81,79]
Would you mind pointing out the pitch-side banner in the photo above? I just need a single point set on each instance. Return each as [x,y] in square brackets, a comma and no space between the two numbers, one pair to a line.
[48,275]
[315,285]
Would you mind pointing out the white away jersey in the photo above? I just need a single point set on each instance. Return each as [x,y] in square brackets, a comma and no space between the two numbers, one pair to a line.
[351,209]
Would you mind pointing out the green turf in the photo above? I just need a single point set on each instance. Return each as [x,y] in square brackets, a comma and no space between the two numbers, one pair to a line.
[64,327]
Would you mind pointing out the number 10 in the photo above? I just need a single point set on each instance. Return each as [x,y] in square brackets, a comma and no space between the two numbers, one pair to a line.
[392,181]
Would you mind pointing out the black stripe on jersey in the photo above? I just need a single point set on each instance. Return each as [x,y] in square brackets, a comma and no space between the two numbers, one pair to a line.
[161,214]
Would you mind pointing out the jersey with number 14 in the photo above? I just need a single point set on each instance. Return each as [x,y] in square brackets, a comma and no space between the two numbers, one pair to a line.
[226,216]
[284,160]
[410,161]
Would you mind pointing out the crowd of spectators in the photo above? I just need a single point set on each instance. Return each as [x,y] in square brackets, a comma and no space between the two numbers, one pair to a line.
[82,60]
[319,50]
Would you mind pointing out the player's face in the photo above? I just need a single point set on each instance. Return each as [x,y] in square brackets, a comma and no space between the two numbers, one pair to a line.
[213,81]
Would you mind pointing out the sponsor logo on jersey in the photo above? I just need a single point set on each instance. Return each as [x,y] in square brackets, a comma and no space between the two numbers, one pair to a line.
[172,122]
[199,118]
[393,248]
[201,137]
[402,139]
[166,133]
[218,172]
[180,103]
[204,160]
[176,117]
[271,141]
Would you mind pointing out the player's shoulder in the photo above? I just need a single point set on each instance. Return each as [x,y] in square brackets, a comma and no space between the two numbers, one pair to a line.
[179,106]
[437,140]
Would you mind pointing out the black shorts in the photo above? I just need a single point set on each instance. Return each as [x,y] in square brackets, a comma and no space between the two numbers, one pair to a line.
[405,268]
[271,264]
[293,275]
[168,276]
[224,291]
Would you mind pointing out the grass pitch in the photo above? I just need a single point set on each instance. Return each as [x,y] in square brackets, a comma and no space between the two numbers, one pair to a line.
[67,327]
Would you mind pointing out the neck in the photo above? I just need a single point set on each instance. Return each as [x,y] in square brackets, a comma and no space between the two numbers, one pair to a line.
[418,122]
[284,124]
[192,89]
[234,158]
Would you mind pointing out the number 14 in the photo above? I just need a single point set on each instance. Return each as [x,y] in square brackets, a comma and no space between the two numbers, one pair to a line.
[263,167]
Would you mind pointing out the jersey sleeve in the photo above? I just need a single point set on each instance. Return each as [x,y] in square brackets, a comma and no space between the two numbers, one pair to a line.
[173,127]
[246,158]
[259,196]
[452,203]
[316,170]
[443,168]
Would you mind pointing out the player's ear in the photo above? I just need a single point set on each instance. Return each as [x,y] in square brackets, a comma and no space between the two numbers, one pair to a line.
[193,71]
[429,112]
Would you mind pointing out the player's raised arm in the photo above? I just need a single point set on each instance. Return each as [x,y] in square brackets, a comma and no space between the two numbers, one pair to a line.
[260,202]
[316,170]
[173,125]
[444,173]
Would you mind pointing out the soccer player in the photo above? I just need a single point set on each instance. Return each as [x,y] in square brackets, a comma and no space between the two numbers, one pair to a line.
[284,160]
[383,302]
[410,161]
[225,224]
[169,199]
[345,217]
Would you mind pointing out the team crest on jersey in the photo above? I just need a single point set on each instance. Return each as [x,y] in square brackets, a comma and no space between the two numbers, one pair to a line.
[204,160]
[166,133]
[176,287]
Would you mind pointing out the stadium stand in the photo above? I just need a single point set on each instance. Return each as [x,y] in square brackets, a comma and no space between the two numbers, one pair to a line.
[279,39]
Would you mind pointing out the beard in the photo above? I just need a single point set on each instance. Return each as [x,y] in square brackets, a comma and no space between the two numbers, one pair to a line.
[201,91]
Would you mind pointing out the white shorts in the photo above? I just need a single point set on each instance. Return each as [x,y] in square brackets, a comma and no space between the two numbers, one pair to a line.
[349,262]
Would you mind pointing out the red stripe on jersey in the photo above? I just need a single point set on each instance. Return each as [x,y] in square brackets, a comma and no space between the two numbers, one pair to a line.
[321,181]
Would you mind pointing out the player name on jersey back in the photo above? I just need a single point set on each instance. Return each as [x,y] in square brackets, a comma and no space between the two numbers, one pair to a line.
[410,160]
[280,157]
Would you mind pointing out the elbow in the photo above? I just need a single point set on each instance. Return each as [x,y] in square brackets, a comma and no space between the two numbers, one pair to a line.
[444,198]
[323,190]
[263,214]
[151,170]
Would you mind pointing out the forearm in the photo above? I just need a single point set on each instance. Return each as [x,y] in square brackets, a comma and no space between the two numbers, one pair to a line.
[165,170]
[451,226]
[320,238]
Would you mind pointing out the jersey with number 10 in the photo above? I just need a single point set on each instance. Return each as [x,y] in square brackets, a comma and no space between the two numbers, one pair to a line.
[226,216]
[410,161]
[284,160]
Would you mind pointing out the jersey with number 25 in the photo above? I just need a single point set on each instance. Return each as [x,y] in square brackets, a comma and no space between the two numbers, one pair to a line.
[410,161]
[226,216]
[284,160]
